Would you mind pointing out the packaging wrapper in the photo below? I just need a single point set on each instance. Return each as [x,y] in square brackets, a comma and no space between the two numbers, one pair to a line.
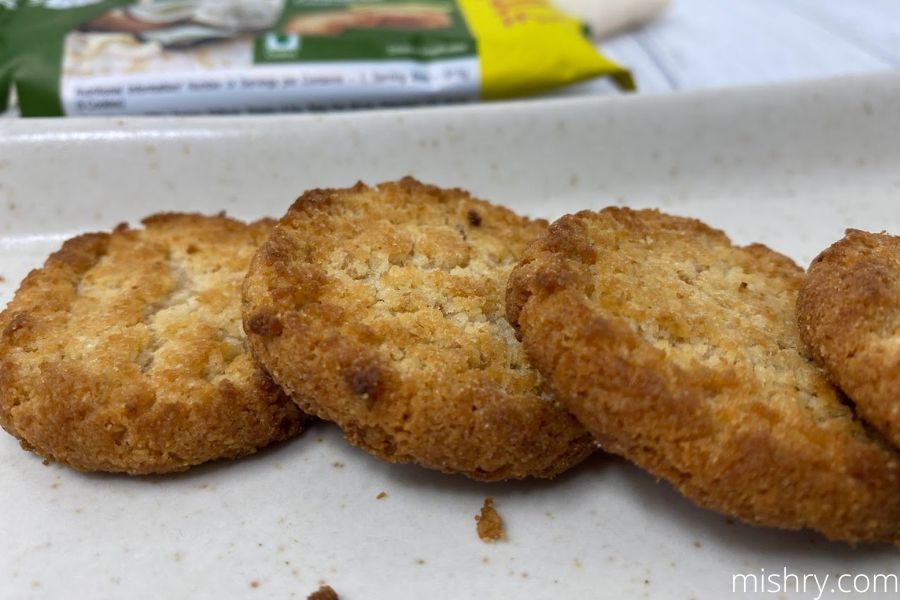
[120,57]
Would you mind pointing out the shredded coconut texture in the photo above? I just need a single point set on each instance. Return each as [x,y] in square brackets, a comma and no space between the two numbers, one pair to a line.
[681,352]
[382,309]
[125,352]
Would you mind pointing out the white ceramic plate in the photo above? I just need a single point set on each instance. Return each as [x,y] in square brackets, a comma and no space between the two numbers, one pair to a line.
[789,166]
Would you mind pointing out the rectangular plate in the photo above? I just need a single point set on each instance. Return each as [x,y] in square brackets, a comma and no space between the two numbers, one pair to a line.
[790,166]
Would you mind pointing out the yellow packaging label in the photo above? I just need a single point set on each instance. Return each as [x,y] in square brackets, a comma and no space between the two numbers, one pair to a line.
[528,46]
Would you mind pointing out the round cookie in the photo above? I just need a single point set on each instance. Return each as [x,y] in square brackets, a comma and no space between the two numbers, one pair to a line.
[849,315]
[382,309]
[681,352]
[125,352]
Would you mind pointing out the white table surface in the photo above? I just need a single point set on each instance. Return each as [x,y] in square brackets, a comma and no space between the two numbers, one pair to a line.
[714,43]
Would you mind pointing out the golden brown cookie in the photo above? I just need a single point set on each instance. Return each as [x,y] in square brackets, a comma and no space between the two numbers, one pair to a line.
[381,309]
[849,315]
[125,352]
[681,352]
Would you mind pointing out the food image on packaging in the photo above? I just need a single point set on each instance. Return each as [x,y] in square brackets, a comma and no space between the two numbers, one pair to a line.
[93,54]
[164,36]
[385,16]
[220,17]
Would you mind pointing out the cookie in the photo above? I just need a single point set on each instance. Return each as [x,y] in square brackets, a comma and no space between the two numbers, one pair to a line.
[125,352]
[681,352]
[382,310]
[849,315]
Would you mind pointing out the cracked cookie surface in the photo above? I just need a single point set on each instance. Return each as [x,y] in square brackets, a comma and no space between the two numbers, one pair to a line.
[125,351]
[382,309]
[849,315]
[681,352]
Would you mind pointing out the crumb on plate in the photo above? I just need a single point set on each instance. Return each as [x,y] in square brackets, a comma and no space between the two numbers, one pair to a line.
[325,592]
[490,525]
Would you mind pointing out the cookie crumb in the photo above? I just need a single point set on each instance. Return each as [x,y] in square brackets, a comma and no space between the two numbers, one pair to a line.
[698,545]
[420,561]
[325,592]
[338,465]
[381,496]
[254,584]
[490,525]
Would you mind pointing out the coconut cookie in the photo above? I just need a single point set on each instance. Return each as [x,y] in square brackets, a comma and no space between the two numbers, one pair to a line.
[125,352]
[849,315]
[681,352]
[382,309]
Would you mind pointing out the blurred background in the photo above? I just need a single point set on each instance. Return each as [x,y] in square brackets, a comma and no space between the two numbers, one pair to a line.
[692,44]
[118,57]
